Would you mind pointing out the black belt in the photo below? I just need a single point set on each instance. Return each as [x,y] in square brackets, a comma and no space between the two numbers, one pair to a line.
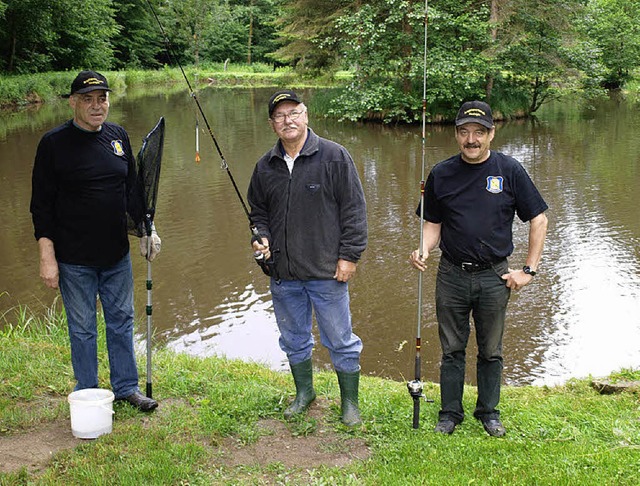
[473,267]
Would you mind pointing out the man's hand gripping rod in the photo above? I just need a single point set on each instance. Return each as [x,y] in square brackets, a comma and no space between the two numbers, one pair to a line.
[267,265]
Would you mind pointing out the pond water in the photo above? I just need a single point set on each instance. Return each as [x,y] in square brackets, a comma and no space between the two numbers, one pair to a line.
[580,316]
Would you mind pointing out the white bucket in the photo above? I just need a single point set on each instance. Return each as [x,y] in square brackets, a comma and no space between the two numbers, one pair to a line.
[91,412]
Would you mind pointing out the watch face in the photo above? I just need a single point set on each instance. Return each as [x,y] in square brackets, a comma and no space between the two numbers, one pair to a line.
[526,269]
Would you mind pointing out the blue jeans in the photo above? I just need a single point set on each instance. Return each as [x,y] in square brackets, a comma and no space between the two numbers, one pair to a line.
[484,296]
[293,301]
[79,286]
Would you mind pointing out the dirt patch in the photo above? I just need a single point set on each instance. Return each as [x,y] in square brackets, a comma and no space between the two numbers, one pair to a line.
[278,443]
[608,387]
[34,448]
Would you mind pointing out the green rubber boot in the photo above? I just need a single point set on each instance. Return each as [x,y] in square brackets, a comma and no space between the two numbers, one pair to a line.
[305,394]
[349,383]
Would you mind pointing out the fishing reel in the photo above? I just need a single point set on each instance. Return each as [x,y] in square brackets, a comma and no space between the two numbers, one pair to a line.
[415,389]
[263,263]
[267,265]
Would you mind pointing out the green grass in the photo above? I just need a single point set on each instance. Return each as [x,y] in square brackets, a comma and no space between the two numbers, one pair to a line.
[565,435]
[22,90]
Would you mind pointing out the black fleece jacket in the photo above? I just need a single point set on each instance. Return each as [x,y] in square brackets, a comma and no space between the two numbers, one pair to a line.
[312,216]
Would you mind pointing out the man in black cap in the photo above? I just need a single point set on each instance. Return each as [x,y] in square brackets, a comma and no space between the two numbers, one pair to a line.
[83,187]
[470,201]
[308,205]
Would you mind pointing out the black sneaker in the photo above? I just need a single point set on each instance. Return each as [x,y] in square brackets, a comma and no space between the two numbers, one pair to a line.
[445,426]
[494,427]
[138,400]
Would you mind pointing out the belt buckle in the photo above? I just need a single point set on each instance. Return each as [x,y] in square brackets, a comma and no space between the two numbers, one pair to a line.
[467,266]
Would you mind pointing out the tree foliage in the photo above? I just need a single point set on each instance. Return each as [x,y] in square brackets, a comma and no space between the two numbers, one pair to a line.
[613,26]
[243,31]
[139,42]
[306,30]
[515,54]
[534,43]
[55,35]
[42,35]
[218,30]
[475,49]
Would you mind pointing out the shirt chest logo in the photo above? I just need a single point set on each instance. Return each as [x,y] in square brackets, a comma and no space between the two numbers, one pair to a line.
[495,184]
[117,147]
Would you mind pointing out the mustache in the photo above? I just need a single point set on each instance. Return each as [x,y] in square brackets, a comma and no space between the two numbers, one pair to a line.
[472,145]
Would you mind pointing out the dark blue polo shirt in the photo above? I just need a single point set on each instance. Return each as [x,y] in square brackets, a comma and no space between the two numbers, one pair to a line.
[476,205]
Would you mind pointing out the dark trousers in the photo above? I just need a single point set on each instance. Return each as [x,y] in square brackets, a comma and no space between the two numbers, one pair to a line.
[484,296]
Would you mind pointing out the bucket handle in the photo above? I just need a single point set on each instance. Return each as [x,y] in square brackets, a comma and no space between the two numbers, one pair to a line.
[107,409]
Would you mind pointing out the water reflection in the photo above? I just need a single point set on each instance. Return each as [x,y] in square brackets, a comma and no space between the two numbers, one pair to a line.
[581,316]
[598,286]
[243,326]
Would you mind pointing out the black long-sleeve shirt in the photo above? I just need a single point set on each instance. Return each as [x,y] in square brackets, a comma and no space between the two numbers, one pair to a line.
[83,185]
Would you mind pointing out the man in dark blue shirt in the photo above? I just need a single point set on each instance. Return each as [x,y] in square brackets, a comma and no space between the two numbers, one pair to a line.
[82,190]
[470,201]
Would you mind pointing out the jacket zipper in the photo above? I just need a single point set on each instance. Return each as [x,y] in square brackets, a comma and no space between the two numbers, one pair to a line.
[286,226]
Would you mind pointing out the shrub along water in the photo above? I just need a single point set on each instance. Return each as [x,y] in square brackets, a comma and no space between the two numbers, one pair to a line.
[567,434]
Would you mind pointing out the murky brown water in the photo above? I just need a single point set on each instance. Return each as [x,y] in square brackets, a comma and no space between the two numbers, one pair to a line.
[581,316]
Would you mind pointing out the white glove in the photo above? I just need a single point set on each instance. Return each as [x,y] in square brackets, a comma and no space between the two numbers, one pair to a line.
[156,244]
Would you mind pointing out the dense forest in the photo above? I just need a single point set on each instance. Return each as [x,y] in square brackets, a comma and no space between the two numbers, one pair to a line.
[516,54]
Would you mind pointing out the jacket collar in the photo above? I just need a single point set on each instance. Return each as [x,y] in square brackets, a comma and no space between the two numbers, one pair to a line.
[310,147]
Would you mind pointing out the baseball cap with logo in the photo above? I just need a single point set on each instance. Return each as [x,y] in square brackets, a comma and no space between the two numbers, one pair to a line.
[475,112]
[89,81]
[279,97]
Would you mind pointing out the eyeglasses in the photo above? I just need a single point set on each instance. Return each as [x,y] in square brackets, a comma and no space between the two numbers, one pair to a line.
[293,116]
[88,99]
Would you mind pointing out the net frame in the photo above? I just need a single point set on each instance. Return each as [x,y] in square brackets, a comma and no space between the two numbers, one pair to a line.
[148,178]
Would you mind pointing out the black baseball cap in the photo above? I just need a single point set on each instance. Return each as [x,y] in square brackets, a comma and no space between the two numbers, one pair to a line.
[279,97]
[475,112]
[87,81]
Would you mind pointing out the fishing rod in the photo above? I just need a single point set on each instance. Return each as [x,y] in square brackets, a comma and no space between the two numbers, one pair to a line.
[267,265]
[416,386]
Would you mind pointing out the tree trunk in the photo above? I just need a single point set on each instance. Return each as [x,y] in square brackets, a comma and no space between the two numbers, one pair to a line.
[196,50]
[407,53]
[493,22]
[536,93]
[250,36]
[12,53]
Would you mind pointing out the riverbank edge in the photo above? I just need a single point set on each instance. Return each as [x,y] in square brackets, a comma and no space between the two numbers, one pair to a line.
[568,434]
[18,91]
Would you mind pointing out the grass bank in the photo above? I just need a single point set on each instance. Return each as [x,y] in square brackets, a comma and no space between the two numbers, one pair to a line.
[21,90]
[565,435]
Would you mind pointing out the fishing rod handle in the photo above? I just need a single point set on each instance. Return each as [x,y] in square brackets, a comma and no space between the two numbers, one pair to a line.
[265,265]
[416,412]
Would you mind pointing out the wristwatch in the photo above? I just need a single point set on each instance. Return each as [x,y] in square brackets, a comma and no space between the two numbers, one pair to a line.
[527,269]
